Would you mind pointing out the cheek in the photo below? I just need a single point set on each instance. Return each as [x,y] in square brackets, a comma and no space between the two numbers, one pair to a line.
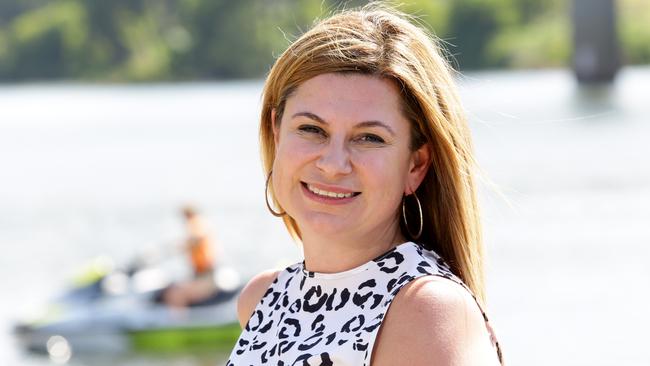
[383,171]
[291,154]
[295,144]
[294,150]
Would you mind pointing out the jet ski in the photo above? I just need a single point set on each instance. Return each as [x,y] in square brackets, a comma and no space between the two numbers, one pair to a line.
[112,311]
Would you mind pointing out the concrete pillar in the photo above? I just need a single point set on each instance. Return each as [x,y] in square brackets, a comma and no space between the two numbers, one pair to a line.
[595,44]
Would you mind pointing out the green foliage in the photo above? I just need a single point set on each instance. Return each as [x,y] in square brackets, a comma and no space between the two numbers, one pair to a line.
[44,42]
[634,30]
[539,41]
[149,40]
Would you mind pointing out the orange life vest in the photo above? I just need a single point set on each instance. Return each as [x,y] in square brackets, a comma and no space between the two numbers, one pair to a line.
[201,256]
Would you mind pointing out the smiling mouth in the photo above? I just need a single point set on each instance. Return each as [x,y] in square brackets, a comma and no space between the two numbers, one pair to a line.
[328,194]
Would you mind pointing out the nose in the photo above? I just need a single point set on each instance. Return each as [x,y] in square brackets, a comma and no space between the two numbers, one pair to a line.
[334,159]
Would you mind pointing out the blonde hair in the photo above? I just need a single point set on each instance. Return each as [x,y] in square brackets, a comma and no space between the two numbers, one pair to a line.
[379,41]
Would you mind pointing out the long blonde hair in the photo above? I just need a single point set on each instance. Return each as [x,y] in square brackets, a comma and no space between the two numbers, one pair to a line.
[379,41]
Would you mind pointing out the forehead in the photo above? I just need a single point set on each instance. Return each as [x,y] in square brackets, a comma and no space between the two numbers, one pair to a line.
[350,97]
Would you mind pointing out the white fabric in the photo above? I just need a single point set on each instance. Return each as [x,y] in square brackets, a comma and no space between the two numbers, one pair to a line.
[308,318]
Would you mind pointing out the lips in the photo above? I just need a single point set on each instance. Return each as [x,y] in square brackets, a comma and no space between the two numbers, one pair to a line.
[331,193]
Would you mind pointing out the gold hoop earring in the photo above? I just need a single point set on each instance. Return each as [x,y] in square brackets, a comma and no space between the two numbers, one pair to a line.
[266,197]
[406,223]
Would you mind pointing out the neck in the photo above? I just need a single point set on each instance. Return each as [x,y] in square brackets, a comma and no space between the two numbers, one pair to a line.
[331,254]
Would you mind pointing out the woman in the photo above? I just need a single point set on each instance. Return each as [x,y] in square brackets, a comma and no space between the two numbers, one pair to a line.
[370,166]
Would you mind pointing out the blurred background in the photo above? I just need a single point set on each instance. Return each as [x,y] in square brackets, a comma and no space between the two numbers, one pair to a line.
[116,114]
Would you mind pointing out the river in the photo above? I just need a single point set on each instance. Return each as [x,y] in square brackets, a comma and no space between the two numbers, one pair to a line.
[88,170]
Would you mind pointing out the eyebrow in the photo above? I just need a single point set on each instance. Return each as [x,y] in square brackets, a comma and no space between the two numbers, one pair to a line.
[358,125]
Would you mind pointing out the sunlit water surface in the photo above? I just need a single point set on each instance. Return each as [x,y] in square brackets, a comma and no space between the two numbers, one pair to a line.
[90,169]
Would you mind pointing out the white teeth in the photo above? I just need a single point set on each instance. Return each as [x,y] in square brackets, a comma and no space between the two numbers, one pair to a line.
[321,192]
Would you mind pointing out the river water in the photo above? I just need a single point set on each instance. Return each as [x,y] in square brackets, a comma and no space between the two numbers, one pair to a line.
[88,170]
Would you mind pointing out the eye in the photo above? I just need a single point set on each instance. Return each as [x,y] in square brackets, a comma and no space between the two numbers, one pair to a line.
[371,138]
[311,129]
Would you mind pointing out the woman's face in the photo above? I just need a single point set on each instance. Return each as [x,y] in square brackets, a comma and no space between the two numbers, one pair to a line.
[342,159]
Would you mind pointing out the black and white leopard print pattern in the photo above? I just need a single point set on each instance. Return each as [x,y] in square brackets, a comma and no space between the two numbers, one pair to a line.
[314,319]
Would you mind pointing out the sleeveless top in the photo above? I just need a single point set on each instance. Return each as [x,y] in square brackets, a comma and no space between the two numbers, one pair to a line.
[308,318]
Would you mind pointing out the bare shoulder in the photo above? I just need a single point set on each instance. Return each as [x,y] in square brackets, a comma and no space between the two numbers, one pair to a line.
[252,293]
[433,321]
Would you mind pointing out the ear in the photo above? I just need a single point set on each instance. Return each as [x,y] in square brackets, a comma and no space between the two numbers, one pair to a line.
[275,127]
[418,168]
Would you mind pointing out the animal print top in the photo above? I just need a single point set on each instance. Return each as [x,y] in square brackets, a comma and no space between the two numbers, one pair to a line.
[307,318]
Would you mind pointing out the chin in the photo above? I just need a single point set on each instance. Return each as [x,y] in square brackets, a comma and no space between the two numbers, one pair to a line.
[325,224]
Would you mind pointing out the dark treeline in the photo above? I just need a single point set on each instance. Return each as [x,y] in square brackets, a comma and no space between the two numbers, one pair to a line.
[150,40]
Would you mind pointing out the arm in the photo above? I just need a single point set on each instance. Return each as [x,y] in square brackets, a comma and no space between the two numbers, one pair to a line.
[434,321]
[252,293]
